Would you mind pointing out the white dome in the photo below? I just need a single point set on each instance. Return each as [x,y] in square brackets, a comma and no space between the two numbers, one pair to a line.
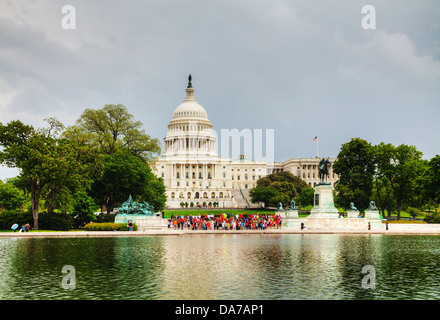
[190,109]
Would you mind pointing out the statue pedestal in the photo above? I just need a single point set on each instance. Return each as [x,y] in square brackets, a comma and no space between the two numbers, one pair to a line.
[291,221]
[324,206]
[372,214]
[353,214]
[292,214]
[281,213]
[374,219]
[143,221]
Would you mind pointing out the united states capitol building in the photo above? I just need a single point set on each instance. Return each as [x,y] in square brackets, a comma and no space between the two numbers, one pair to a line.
[193,171]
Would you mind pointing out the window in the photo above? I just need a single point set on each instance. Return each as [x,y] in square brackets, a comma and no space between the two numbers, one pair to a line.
[173,195]
[178,175]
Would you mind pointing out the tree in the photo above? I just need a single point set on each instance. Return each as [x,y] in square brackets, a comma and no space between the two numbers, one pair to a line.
[431,182]
[306,197]
[399,166]
[355,167]
[267,195]
[11,197]
[30,151]
[112,129]
[277,187]
[83,208]
[125,174]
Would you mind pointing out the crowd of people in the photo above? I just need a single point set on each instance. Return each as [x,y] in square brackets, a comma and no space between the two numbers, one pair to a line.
[225,221]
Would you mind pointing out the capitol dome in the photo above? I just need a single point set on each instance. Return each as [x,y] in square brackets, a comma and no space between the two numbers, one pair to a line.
[190,108]
[190,130]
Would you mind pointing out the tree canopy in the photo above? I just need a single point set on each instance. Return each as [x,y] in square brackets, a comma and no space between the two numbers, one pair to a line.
[113,128]
[277,187]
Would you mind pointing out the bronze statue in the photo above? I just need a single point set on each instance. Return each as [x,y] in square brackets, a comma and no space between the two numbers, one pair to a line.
[189,81]
[132,207]
[323,170]
[292,205]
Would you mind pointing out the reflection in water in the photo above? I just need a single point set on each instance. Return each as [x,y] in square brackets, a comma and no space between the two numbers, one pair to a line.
[222,266]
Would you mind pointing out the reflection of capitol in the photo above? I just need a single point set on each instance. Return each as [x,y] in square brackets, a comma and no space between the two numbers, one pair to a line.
[193,171]
[207,267]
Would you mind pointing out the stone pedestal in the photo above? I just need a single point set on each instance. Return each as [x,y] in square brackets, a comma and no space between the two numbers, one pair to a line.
[372,214]
[324,206]
[374,219]
[292,214]
[353,214]
[281,213]
[291,220]
[143,221]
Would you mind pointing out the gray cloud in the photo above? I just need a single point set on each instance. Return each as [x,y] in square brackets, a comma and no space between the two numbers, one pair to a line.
[303,68]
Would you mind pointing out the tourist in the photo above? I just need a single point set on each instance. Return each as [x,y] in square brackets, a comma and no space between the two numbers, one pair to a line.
[14,227]
[369,226]
[130,226]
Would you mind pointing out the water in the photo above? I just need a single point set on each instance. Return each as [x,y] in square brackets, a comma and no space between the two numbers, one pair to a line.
[222,266]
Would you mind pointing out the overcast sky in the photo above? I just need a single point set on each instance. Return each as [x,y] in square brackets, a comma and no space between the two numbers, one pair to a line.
[303,68]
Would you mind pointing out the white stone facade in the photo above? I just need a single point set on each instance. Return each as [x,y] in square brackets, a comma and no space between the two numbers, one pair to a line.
[193,172]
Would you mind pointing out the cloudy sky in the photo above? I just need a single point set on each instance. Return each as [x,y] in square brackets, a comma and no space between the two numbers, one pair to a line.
[303,68]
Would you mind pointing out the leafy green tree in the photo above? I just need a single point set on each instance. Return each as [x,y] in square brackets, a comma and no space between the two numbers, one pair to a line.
[382,195]
[267,195]
[83,208]
[112,129]
[355,167]
[30,151]
[431,182]
[400,166]
[306,197]
[11,197]
[125,174]
[287,187]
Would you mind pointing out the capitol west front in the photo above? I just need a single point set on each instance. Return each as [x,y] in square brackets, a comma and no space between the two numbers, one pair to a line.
[193,172]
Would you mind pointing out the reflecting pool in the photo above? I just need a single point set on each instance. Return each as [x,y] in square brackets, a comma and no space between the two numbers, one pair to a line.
[222,266]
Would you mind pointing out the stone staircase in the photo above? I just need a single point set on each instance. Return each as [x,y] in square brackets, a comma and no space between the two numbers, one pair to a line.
[243,199]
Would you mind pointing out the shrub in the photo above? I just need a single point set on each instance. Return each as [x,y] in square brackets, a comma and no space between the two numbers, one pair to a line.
[108,226]
[7,219]
[105,217]
[55,221]
[46,221]
[432,218]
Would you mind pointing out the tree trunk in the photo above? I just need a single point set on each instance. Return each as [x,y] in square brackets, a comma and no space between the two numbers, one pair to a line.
[35,201]
[398,204]
[51,206]
[108,205]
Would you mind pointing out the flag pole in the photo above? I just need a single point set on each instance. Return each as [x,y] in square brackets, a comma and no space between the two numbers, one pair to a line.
[317,146]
